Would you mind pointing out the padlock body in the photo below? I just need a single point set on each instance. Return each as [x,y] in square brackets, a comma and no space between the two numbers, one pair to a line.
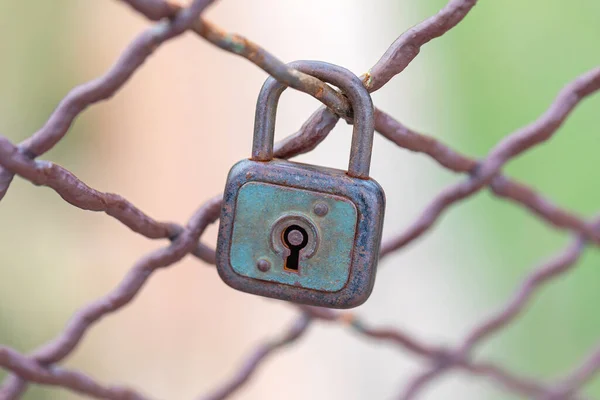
[341,218]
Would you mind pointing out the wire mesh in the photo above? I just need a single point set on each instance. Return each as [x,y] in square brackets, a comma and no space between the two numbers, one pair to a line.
[172,19]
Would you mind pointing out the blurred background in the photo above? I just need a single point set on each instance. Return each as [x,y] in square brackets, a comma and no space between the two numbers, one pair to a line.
[168,138]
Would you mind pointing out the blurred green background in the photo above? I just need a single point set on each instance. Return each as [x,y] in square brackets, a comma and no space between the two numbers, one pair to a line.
[501,67]
[509,60]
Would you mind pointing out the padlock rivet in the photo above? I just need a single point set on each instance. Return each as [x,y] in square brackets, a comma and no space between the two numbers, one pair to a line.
[263,265]
[321,209]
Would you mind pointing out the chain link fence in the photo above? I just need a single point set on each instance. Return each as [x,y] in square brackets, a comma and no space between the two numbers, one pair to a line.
[42,366]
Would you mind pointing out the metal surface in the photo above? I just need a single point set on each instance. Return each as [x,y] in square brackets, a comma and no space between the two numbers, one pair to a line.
[259,206]
[362,106]
[340,272]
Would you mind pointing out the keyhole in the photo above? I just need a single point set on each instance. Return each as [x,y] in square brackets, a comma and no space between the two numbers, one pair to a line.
[295,238]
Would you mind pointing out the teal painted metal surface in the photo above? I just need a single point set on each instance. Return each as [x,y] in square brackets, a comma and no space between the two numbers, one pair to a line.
[259,207]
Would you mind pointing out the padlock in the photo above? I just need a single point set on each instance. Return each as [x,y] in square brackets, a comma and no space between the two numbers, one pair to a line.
[297,232]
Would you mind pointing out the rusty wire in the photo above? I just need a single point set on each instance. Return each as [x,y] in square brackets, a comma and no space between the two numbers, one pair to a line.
[172,19]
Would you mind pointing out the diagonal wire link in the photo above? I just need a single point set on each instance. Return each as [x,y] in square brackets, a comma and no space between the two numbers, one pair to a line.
[76,381]
[438,356]
[104,87]
[408,45]
[298,329]
[122,295]
[510,147]
[583,374]
[79,194]
[552,269]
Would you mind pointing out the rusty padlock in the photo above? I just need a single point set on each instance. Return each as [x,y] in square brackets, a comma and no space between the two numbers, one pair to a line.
[297,232]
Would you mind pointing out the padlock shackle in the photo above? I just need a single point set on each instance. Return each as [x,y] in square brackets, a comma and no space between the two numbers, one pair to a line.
[350,84]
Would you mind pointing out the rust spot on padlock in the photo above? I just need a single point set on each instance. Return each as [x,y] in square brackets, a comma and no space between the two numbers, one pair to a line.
[319,93]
